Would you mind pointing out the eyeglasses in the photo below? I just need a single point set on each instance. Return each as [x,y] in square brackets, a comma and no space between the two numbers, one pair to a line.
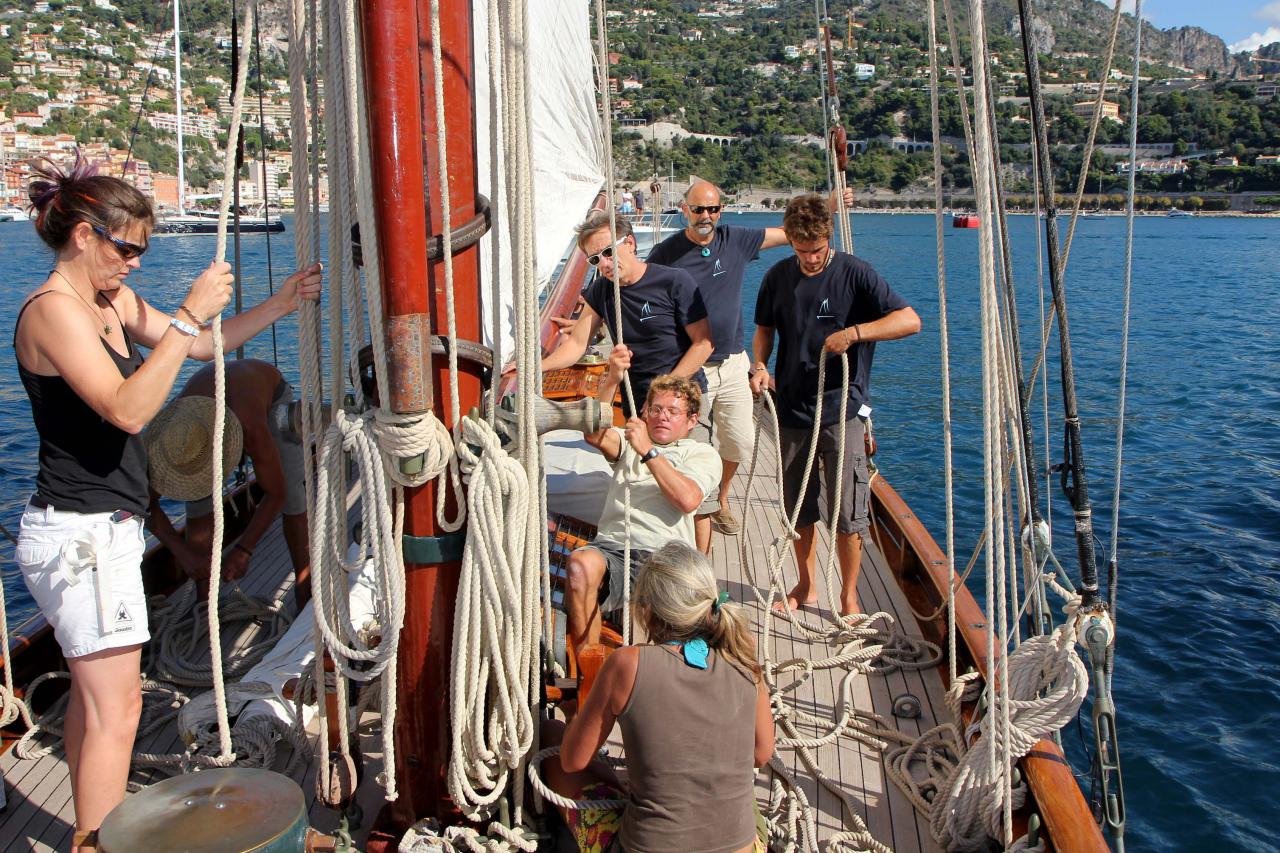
[128,251]
[671,412]
[606,252]
[705,208]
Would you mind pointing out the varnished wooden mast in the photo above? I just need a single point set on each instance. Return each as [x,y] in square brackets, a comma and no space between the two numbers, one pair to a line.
[397,56]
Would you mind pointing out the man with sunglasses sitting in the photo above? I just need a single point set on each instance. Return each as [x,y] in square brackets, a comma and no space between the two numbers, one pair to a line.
[716,256]
[669,473]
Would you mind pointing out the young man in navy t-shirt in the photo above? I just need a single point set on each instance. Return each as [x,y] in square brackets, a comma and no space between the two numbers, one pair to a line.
[821,303]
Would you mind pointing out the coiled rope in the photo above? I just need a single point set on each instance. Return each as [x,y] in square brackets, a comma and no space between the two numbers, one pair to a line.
[491,721]
[179,640]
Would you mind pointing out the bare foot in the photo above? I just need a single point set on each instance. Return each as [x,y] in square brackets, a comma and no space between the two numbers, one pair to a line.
[850,608]
[796,599]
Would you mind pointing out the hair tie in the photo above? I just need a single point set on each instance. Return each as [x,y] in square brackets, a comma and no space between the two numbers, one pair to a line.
[720,600]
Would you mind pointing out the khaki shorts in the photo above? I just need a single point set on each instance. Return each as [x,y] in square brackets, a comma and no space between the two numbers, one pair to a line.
[85,573]
[612,583]
[729,399]
[856,486]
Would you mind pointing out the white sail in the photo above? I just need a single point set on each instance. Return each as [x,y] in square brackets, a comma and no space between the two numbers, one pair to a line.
[567,152]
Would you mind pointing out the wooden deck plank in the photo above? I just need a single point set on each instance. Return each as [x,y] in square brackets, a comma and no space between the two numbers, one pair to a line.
[40,809]
[857,767]
[16,832]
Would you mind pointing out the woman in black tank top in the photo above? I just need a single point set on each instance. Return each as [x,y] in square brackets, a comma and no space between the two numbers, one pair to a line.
[76,340]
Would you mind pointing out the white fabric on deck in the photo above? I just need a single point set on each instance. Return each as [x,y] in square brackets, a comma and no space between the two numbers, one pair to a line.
[578,475]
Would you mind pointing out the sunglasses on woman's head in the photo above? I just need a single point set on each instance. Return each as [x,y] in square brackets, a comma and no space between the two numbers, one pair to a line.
[128,251]
[606,252]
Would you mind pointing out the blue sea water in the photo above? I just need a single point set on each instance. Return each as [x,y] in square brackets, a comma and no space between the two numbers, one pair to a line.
[1198,655]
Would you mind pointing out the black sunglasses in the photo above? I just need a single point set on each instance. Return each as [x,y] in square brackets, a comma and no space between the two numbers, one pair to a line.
[128,251]
[705,208]
[606,252]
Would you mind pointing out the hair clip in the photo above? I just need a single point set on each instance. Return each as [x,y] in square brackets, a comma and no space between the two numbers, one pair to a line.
[720,600]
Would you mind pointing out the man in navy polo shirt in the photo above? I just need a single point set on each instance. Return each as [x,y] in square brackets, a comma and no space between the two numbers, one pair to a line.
[716,256]
[664,319]
[821,303]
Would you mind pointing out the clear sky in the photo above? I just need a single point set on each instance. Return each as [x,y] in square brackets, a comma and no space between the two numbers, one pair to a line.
[1243,24]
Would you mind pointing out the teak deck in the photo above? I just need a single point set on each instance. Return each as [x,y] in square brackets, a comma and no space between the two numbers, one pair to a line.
[40,817]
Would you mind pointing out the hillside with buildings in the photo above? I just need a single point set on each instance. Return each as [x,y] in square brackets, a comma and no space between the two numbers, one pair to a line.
[99,75]
[729,89]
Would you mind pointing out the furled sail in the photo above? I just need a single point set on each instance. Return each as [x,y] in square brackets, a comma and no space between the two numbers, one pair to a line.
[565,125]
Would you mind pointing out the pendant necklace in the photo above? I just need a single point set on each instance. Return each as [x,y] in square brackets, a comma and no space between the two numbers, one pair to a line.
[706,251]
[106,327]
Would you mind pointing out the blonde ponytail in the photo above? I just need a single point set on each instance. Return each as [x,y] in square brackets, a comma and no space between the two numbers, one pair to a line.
[677,599]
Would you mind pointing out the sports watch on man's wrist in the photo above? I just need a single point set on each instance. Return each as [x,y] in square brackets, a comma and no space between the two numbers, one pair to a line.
[650,454]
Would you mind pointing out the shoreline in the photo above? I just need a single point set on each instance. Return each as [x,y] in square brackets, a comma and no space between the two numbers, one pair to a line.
[1062,214]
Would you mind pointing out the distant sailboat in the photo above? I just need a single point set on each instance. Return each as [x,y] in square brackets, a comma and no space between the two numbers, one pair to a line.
[191,222]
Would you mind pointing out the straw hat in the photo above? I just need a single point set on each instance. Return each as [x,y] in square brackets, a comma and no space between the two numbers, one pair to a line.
[179,444]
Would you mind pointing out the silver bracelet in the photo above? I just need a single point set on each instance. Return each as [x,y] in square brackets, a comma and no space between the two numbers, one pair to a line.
[185,328]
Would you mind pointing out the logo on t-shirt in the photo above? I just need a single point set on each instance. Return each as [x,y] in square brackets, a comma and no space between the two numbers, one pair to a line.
[718,270]
[646,313]
[824,311]
[124,621]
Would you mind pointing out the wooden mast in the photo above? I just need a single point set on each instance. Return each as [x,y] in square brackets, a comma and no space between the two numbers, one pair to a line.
[397,58]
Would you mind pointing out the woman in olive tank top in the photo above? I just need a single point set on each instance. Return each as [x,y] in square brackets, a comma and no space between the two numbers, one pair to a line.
[76,339]
[694,714]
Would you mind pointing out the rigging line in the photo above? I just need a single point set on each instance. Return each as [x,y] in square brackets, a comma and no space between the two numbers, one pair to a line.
[1103,75]
[146,87]
[1112,563]
[993,423]
[965,121]
[235,207]
[943,335]
[1080,494]
[818,15]
[606,127]
[266,195]
[1011,312]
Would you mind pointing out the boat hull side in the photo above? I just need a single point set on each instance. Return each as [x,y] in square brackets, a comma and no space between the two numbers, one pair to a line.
[921,569]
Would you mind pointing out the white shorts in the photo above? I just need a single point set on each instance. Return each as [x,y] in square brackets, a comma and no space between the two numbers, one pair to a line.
[85,573]
[729,398]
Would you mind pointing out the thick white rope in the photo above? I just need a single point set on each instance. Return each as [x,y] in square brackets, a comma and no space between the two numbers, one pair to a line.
[12,706]
[426,836]
[943,336]
[220,389]
[606,125]
[491,721]
[179,643]
[446,225]
[355,657]
[1047,683]
[997,763]
[518,136]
